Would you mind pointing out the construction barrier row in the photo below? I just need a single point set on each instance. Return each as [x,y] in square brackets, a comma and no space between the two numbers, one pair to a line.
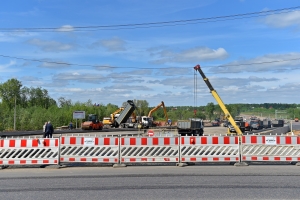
[119,150]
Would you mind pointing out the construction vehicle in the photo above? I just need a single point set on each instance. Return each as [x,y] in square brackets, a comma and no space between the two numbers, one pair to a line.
[110,121]
[277,123]
[123,120]
[241,123]
[92,123]
[256,124]
[219,101]
[190,127]
[267,123]
[162,104]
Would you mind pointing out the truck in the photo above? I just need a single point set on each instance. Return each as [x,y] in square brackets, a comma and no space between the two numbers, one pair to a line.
[92,123]
[122,119]
[219,101]
[110,121]
[277,123]
[241,123]
[190,127]
[267,123]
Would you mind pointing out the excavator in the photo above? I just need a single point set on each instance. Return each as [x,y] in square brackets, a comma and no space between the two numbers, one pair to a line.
[219,101]
[162,104]
[110,121]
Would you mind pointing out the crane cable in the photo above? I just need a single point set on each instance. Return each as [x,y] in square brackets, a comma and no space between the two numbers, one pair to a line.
[195,92]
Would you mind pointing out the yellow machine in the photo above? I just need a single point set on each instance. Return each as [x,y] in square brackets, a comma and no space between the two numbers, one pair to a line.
[110,121]
[162,104]
[219,100]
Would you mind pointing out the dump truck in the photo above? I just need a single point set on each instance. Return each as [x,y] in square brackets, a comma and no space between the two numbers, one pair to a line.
[278,123]
[110,121]
[267,123]
[190,127]
[92,123]
[122,119]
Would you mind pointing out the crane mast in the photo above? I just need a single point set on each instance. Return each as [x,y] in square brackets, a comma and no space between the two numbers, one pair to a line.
[219,100]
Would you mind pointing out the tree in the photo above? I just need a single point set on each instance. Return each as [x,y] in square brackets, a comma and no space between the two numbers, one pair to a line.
[209,110]
[10,92]
[62,102]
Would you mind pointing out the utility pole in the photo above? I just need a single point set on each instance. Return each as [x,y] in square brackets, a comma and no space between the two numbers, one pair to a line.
[15,113]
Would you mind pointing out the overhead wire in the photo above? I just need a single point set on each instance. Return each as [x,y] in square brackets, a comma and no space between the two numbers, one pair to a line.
[114,67]
[154,24]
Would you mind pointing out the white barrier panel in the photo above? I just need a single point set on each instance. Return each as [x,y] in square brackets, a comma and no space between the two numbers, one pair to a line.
[270,148]
[89,149]
[149,149]
[29,151]
[210,149]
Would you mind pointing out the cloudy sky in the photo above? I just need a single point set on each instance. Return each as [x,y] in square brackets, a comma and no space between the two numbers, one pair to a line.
[109,51]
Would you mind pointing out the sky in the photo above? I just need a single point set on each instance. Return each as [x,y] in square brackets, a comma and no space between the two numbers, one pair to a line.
[111,51]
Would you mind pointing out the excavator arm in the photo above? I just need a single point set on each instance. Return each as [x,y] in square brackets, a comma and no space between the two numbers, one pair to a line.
[112,116]
[162,104]
[219,100]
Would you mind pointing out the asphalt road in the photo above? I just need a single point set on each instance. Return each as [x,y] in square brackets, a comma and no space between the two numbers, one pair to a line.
[152,182]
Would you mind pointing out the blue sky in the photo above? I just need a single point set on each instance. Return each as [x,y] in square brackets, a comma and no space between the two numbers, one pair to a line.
[75,50]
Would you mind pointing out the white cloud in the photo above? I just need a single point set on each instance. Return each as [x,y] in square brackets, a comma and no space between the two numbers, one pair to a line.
[7,67]
[196,54]
[113,44]
[269,62]
[51,46]
[66,28]
[284,19]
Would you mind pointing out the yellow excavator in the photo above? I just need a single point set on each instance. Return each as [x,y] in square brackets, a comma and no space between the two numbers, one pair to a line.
[219,101]
[110,121]
[162,104]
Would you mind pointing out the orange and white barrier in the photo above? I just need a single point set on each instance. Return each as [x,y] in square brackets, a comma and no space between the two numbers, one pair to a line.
[29,151]
[89,149]
[209,149]
[270,148]
[149,149]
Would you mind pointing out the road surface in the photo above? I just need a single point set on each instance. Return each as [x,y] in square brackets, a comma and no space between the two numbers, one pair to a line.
[212,181]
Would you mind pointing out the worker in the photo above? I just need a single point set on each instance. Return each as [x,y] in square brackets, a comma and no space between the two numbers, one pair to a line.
[44,129]
[49,130]
[70,126]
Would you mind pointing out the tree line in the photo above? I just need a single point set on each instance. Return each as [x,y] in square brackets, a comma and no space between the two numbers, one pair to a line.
[25,109]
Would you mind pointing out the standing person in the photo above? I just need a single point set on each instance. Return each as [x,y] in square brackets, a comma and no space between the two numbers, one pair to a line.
[44,129]
[70,126]
[49,130]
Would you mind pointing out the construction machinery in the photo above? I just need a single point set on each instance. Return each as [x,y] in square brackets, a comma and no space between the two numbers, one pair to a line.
[190,127]
[110,121]
[267,123]
[277,123]
[162,104]
[92,123]
[122,119]
[219,101]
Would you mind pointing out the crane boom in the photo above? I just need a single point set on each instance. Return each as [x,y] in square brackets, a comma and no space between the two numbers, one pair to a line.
[219,100]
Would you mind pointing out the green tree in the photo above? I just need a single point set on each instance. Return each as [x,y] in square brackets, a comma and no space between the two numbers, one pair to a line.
[209,110]
[10,92]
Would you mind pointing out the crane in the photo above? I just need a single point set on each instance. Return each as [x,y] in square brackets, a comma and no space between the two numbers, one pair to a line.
[219,100]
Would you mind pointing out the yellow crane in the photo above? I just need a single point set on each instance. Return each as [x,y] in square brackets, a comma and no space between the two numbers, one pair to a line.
[219,100]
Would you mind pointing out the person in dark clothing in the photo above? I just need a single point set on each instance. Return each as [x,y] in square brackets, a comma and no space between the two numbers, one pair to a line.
[49,130]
